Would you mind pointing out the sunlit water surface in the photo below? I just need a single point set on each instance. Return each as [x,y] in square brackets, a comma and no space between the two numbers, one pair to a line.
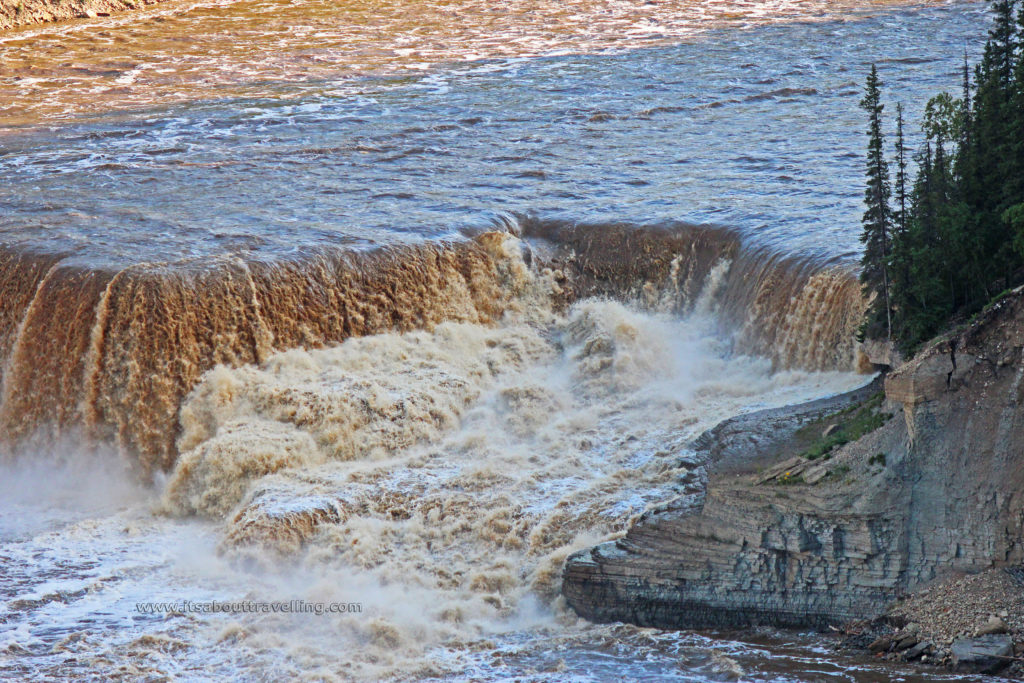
[742,114]
[194,130]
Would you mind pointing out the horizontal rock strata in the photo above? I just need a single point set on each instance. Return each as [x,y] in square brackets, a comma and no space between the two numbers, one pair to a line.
[936,489]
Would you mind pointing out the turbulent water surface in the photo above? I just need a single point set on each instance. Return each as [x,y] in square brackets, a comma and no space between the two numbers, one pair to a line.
[741,114]
[411,440]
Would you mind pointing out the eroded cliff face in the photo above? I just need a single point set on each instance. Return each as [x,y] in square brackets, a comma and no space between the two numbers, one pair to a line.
[815,543]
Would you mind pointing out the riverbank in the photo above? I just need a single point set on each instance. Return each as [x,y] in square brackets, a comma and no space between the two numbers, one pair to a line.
[980,613]
[15,13]
[837,529]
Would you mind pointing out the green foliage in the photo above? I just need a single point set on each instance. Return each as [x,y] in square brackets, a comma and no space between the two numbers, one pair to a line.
[853,422]
[824,448]
[943,117]
[877,459]
[839,471]
[957,234]
[877,215]
[1014,218]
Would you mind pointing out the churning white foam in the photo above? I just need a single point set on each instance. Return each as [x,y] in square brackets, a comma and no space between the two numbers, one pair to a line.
[437,478]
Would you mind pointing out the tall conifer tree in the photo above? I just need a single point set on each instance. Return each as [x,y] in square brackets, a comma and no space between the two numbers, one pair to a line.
[900,256]
[877,216]
[991,170]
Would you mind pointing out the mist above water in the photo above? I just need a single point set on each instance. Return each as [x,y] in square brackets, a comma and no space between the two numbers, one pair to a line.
[438,477]
[195,295]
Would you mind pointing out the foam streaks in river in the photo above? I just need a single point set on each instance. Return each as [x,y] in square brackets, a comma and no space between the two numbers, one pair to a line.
[531,391]
[449,472]
[794,310]
[50,71]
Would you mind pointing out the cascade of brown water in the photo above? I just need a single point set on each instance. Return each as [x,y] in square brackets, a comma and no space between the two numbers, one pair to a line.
[21,275]
[113,352]
[790,309]
[793,311]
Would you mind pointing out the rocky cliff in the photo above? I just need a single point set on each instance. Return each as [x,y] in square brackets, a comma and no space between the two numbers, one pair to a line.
[787,541]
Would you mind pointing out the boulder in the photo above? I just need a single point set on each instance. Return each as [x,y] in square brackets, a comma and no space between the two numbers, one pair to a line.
[881,352]
[881,644]
[816,556]
[984,654]
[919,650]
[908,637]
[993,625]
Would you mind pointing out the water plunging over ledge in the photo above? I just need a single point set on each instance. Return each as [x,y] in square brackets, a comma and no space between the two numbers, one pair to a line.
[388,318]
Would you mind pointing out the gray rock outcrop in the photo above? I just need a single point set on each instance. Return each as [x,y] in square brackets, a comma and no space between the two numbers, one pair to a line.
[948,494]
[984,654]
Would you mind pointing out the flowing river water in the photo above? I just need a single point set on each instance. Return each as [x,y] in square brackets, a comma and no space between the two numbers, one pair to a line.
[392,306]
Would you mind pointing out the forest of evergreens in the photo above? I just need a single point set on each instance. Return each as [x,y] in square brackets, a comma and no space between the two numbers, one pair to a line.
[942,243]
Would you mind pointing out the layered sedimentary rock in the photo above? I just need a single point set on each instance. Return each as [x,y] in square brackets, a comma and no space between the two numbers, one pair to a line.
[938,488]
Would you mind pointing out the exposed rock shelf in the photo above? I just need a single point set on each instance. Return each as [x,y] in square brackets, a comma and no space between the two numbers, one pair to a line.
[770,548]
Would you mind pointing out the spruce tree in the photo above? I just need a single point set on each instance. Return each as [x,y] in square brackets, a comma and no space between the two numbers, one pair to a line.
[964,142]
[924,302]
[900,255]
[959,231]
[877,216]
[1013,213]
[991,171]
[900,217]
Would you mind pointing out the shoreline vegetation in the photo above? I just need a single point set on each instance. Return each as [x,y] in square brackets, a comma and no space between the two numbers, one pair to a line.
[939,248]
[896,520]
[941,245]
[941,251]
[19,13]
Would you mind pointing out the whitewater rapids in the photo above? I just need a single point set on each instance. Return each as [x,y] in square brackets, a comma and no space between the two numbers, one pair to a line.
[437,478]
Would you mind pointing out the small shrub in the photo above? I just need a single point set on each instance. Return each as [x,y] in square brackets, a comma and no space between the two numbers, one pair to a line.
[854,422]
[839,471]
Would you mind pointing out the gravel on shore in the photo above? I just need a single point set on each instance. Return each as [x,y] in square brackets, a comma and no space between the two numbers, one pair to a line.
[15,13]
[923,626]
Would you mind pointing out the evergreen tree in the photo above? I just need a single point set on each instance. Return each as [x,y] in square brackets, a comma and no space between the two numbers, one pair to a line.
[924,302]
[992,169]
[1013,214]
[949,240]
[900,256]
[900,217]
[964,140]
[877,216]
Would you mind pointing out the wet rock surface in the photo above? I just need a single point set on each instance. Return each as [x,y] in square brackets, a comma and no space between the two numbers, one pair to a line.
[957,608]
[936,492]
[984,654]
[751,552]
